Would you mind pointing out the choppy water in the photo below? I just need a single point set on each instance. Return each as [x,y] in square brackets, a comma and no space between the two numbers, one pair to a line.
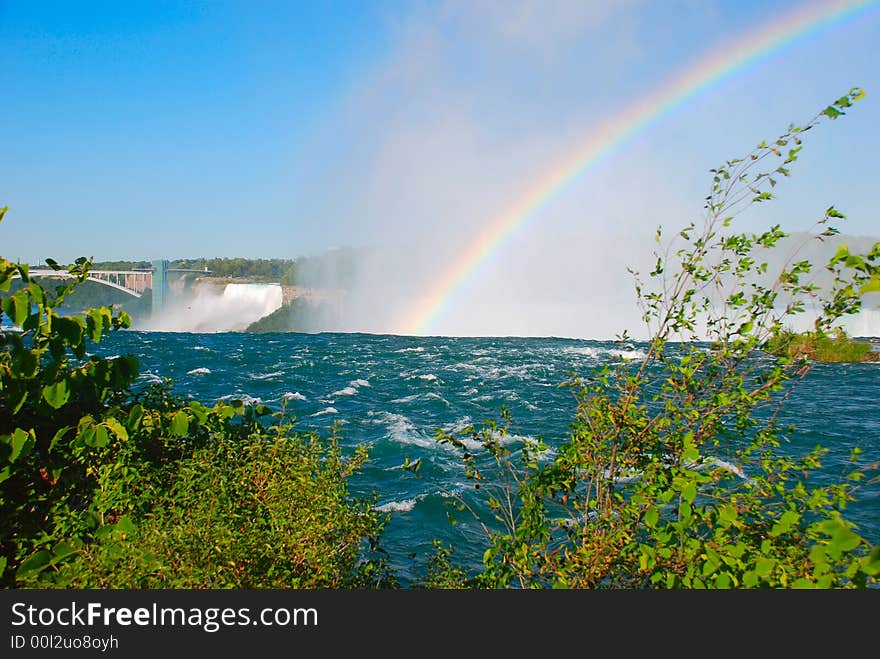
[393,392]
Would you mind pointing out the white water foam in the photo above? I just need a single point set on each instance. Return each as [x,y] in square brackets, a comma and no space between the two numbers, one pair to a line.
[425,396]
[403,431]
[475,445]
[359,383]
[599,353]
[403,506]
[628,354]
[346,391]
[244,398]
[458,425]
[293,395]
[199,371]
[266,376]
[720,464]
[326,410]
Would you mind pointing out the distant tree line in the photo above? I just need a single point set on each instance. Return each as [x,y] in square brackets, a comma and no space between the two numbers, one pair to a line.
[334,269]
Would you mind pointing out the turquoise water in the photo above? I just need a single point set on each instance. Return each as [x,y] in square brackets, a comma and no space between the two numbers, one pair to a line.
[393,392]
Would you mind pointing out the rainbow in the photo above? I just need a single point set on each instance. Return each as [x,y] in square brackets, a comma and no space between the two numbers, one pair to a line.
[611,135]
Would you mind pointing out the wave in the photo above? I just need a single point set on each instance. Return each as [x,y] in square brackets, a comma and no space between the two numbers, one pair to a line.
[423,396]
[244,398]
[519,372]
[199,371]
[346,391]
[403,431]
[599,353]
[293,395]
[458,425]
[628,354]
[266,376]
[326,410]
[403,506]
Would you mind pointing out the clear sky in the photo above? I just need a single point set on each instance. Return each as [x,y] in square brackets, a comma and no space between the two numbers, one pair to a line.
[140,130]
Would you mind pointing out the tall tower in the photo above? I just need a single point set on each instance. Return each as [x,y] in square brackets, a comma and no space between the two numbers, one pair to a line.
[160,284]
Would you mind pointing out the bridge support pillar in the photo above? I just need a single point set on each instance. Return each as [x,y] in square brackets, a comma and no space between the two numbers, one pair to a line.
[160,284]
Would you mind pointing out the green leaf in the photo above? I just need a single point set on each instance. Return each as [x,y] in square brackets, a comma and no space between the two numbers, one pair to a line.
[25,365]
[100,438]
[764,566]
[22,443]
[871,562]
[845,540]
[95,324]
[2,558]
[33,564]
[689,492]
[224,411]
[831,112]
[62,550]
[59,435]
[17,307]
[786,522]
[728,514]
[56,394]
[37,293]
[86,436]
[117,428]
[135,415]
[180,424]
[69,329]
[200,412]
[125,525]
[873,285]
[684,511]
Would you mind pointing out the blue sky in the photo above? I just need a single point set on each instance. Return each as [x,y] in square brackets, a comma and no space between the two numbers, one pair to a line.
[140,130]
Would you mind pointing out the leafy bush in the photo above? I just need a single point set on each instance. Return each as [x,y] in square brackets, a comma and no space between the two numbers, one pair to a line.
[255,512]
[835,347]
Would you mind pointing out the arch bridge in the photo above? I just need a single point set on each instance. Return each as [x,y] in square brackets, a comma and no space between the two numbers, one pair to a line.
[132,282]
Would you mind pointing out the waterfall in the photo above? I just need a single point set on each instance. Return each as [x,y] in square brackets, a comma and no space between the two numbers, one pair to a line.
[213,310]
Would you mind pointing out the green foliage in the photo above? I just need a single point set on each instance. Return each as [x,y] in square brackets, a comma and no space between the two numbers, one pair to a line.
[100,486]
[278,515]
[822,347]
[637,496]
[301,315]
[57,411]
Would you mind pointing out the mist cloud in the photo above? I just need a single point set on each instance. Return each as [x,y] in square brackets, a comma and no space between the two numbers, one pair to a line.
[476,101]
